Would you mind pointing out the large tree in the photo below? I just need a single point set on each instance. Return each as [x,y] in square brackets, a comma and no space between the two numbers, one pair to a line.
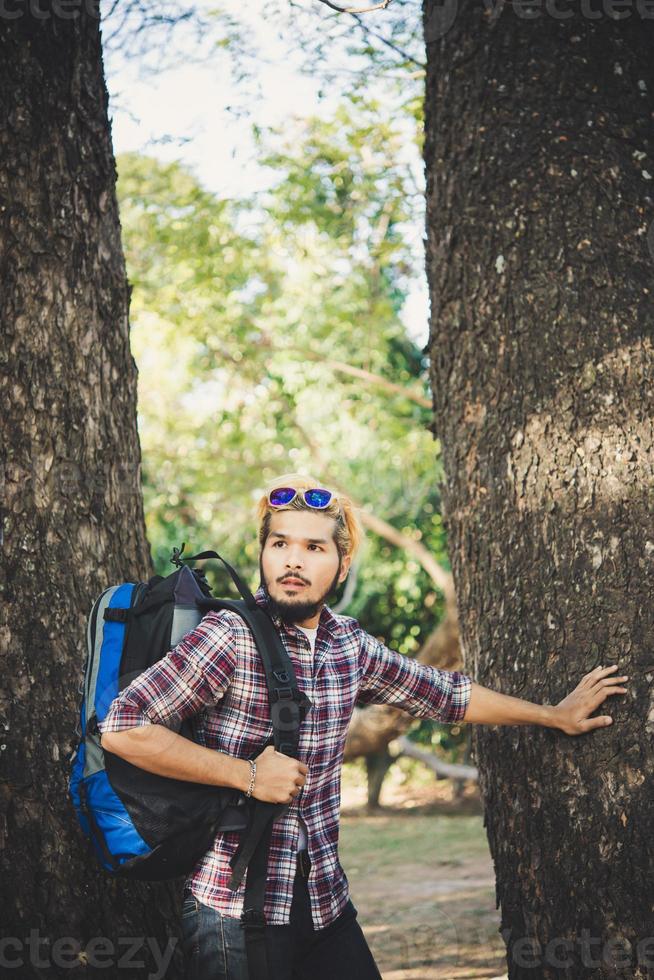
[539,158]
[72,507]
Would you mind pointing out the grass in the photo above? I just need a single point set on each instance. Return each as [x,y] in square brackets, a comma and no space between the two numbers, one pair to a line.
[371,842]
[421,877]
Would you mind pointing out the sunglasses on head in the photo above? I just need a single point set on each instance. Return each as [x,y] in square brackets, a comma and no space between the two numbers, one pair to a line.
[317,497]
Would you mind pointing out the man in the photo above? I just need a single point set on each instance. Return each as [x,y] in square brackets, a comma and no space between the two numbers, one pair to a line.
[308,537]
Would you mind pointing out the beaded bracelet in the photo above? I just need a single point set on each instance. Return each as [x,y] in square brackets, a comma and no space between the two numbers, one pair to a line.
[253,772]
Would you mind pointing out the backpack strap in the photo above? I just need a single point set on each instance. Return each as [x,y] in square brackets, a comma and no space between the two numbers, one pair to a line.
[253,919]
[250,601]
[288,704]
[288,708]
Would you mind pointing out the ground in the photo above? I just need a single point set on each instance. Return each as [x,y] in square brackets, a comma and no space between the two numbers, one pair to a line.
[421,877]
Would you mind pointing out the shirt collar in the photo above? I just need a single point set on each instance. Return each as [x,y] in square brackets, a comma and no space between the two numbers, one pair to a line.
[328,619]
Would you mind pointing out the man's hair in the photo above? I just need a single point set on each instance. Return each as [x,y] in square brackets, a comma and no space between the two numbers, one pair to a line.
[348,532]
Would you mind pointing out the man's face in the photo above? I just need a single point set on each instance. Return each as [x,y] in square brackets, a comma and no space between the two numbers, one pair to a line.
[300,565]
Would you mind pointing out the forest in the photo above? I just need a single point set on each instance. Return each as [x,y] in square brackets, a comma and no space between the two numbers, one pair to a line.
[407,251]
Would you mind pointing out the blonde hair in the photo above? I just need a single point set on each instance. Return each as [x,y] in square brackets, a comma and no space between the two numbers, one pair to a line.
[348,531]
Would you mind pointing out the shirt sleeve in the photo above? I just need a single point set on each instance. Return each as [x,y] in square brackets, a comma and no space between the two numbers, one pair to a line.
[194,674]
[388,677]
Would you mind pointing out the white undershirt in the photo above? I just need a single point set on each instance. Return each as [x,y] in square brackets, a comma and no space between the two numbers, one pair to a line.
[311,633]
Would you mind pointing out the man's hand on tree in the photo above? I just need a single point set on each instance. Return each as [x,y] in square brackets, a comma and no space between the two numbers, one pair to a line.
[571,714]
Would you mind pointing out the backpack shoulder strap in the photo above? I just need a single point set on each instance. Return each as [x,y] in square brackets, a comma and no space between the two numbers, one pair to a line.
[249,599]
[288,705]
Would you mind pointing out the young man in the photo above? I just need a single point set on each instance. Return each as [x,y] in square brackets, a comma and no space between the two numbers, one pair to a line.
[307,537]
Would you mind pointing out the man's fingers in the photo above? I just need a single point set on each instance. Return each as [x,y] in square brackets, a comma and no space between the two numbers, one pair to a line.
[613,687]
[602,693]
[598,672]
[604,681]
[591,678]
[603,690]
[302,766]
[590,724]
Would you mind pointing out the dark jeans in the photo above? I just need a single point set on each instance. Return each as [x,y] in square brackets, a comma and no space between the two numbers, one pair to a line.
[214,944]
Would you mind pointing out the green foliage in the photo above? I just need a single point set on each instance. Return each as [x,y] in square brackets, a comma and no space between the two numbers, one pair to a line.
[353,56]
[243,315]
[449,742]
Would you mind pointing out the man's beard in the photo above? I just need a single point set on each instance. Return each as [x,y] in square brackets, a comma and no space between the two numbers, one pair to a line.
[296,612]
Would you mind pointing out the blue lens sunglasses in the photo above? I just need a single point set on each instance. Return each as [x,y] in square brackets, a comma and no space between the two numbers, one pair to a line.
[317,497]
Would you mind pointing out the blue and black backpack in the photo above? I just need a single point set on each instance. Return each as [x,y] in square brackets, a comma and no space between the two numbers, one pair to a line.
[145,826]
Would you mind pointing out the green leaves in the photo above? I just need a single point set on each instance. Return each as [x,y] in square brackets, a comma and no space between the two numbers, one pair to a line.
[268,338]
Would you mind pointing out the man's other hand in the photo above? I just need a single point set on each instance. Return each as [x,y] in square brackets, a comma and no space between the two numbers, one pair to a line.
[279,777]
[572,714]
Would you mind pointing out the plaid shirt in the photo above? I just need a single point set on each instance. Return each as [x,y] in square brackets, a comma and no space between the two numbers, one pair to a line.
[215,675]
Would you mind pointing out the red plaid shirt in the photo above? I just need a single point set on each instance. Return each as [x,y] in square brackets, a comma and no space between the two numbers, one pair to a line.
[215,675]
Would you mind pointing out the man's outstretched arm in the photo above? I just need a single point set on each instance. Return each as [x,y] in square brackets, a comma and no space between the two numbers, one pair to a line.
[570,716]
[388,677]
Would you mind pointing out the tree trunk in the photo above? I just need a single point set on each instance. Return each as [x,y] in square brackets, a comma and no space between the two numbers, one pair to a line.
[377,766]
[72,519]
[539,156]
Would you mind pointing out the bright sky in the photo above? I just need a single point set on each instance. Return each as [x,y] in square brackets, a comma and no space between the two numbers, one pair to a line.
[183,113]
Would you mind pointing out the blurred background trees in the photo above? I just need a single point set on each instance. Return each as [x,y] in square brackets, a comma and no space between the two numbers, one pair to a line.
[268,336]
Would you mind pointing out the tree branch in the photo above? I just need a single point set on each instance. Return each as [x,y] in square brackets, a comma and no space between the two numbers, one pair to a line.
[390,44]
[375,379]
[441,578]
[357,10]
[355,372]
[350,588]
[445,770]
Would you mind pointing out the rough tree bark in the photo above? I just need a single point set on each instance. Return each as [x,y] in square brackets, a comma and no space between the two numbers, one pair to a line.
[72,518]
[539,157]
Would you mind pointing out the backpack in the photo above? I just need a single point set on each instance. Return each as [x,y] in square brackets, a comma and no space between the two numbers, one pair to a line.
[149,827]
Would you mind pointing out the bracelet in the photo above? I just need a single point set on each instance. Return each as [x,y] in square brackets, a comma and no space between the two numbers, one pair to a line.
[253,772]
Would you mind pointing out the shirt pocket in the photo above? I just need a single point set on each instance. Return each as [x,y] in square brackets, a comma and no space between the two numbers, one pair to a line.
[335,693]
